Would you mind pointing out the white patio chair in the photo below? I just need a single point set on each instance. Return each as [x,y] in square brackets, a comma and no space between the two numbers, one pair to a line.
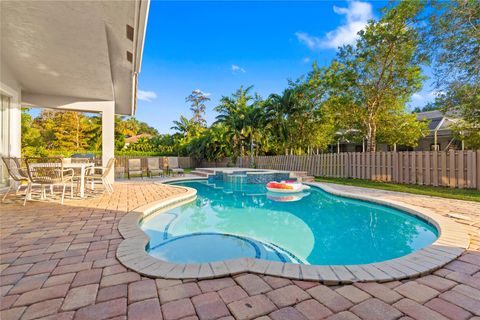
[100,174]
[16,173]
[48,172]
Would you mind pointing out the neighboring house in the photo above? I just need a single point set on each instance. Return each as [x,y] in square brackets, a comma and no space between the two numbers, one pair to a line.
[69,55]
[134,139]
[440,136]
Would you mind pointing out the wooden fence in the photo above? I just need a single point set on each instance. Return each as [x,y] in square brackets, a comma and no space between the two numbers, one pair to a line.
[455,169]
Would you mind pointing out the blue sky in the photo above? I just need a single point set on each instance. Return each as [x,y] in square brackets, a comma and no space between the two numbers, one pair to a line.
[218,46]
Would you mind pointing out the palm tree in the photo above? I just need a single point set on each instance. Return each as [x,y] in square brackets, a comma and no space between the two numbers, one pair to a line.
[244,115]
[279,109]
[232,114]
[184,126]
[255,117]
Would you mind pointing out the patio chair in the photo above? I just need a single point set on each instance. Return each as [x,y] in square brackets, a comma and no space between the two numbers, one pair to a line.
[134,166]
[173,166]
[16,172]
[153,166]
[100,174]
[164,166]
[76,171]
[48,172]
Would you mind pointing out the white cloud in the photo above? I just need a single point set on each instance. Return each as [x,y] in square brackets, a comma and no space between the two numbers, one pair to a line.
[357,15]
[237,69]
[306,60]
[426,96]
[417,96]
[206,94]
[308,40]
[146,95]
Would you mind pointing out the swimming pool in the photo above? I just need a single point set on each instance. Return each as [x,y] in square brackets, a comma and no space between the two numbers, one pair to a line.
[235,220]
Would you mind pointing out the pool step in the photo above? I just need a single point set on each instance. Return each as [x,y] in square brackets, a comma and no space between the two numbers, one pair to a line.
[307,179]
[299,174]
[200,173]
[207,170]
[302,176]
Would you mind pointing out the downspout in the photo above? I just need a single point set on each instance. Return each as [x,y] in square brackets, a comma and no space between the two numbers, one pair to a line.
[141,18]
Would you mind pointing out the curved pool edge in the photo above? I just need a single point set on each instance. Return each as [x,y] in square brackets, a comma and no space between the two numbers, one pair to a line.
[451,243]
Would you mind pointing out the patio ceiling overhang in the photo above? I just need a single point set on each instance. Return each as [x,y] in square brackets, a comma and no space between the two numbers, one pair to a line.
[75,50]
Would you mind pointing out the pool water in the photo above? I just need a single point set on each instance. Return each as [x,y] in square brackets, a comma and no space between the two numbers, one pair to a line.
[233,220]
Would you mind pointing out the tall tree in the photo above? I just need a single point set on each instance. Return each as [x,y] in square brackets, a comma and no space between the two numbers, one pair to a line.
[31,135]
[197,101]
[72,131]
[452,38]
[382,70]
[128,127]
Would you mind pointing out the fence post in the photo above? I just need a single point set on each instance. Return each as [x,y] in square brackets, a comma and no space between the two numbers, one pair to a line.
[477,171]
[460,170]
[413,168]
[443,157]
[451,169]
[427,180]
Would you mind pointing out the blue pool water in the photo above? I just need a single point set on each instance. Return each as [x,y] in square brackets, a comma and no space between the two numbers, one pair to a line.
[233,220]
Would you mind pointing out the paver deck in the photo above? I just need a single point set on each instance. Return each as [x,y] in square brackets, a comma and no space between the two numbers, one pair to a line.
[58,262]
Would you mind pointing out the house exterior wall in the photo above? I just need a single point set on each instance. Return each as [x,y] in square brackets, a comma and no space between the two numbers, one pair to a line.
[426,144]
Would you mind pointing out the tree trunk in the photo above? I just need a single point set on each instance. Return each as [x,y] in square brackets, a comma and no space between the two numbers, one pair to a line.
[77,137]
[371,136]
[251,150]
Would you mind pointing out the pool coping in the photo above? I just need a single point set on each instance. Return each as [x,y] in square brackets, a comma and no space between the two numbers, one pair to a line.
[452,241]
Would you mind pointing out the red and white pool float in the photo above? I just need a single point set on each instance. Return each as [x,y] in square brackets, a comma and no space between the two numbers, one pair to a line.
[286,186]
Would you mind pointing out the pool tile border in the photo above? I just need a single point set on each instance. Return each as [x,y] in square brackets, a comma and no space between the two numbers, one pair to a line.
[451,243]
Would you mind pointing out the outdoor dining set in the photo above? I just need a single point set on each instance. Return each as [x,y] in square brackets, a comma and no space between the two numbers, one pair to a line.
[47,173]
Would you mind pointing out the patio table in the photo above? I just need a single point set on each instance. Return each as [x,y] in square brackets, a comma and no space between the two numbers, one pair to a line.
[83,168]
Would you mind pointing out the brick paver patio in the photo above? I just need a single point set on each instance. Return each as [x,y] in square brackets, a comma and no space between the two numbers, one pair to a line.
[58,262]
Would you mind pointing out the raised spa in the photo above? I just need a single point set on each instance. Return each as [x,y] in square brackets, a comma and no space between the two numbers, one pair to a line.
[233,220]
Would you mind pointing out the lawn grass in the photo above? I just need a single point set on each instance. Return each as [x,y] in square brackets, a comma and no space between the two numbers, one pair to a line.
[459,194]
